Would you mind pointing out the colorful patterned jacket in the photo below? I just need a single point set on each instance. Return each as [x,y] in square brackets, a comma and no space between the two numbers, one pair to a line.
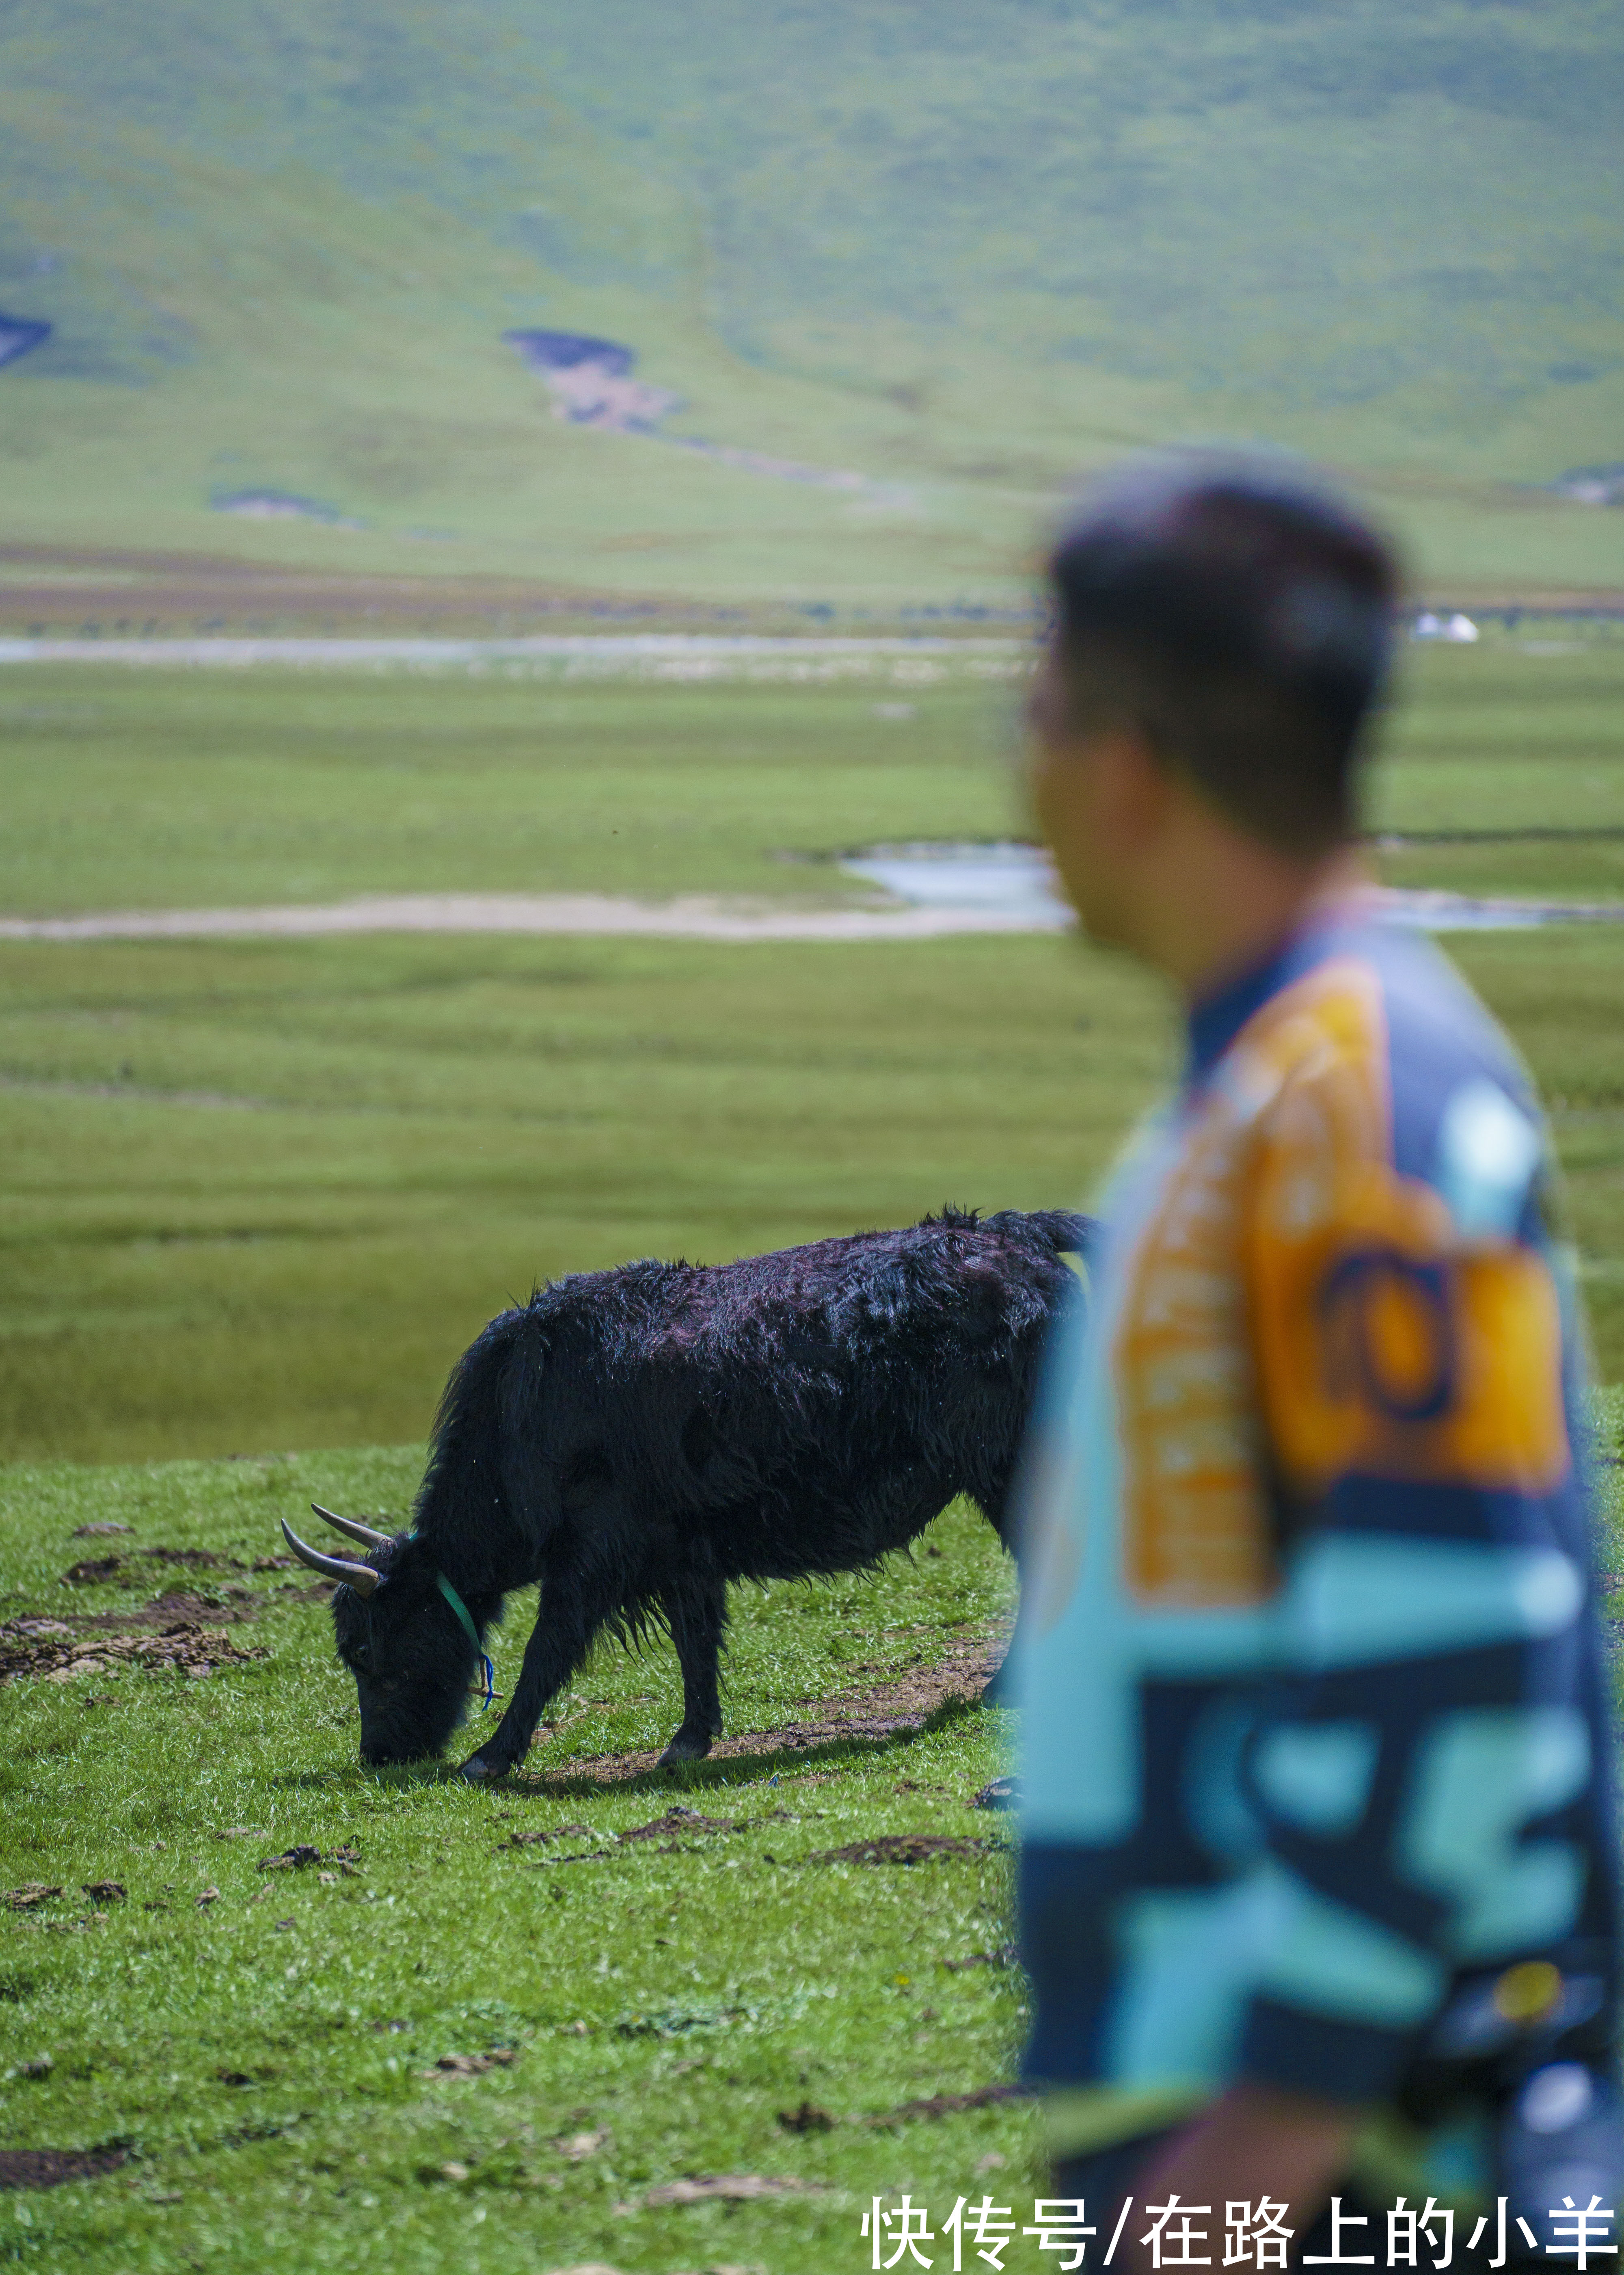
[1315,1741]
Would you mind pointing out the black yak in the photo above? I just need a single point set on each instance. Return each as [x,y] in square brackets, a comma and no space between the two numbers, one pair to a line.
[634,1440]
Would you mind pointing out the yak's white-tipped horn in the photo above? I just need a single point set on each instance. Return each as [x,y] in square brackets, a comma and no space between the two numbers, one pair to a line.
[361,1577]
[353,1528]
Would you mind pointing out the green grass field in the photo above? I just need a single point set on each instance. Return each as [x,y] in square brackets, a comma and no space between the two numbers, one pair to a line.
[258,1194]
[265,2054]
[269,2056]
[261,1194]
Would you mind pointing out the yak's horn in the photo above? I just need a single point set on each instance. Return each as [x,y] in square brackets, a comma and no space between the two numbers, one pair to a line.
[353,1528]
[361,1577]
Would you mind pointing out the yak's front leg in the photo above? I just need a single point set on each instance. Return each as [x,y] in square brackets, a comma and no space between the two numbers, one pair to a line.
[698,1611]
[558,1643]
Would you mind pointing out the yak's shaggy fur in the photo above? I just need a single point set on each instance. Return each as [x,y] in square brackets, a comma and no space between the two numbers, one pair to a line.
[634,1440]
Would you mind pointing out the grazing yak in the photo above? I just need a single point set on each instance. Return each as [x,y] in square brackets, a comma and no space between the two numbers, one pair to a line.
[634,1440]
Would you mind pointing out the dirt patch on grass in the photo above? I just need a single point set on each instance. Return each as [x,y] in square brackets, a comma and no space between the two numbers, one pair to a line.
[1005,1955]
[732,2187]
[811,2118]
[49,2168]
[544,1839]
[93,1571]
[231,1608]
[58,1650]
[905,1849]
[672,1831]
[679,1821]
[945,2104]
[305,1854]
[472,2065]
[888,1710]
[118,1570]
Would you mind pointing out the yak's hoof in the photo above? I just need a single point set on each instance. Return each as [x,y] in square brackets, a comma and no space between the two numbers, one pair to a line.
[686,1746]
[476,1771]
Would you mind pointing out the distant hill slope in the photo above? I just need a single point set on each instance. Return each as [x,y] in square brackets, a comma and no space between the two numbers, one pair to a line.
[902,268]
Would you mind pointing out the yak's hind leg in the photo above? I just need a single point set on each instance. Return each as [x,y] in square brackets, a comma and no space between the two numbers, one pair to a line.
[698,1611]
[997,1506]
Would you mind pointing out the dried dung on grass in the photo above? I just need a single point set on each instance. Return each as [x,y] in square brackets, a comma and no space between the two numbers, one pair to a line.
[680,1820]
[810,2118]
[51,1651]
[116,1570]
[807,2118]
[472,2065]
[668,1832]
[165,1611]
[577,2146]
[291,1860]
[91,1571]
[905,1849]
[49,2168]
[302,1853]
[730,2188]
[946,2104]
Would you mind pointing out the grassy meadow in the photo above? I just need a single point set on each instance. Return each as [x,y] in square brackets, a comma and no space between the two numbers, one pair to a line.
[260,1193]
[266,2045]
[269,2055]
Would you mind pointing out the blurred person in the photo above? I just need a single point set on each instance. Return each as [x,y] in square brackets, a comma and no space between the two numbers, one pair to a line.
[1319,1872]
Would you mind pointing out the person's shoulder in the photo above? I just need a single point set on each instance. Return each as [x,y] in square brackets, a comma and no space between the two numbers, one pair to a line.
[1381,1032]
[1458,1093]
[1432,1014]
[1395,1050]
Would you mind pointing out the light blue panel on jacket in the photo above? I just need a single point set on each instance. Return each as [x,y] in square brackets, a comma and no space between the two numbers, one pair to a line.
[1084,1642]
[1481,1773]
[1187,1962]
[1326,1958]
[1371,1596]
[1317,1774]
[1488,1151]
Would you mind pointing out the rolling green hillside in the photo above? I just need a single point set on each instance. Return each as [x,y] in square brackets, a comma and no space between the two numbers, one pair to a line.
[953,251]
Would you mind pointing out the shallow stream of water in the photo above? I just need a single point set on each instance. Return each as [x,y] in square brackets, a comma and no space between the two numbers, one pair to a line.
[1019,879]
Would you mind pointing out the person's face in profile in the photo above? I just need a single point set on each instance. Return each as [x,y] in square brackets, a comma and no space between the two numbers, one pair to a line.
[1089,788]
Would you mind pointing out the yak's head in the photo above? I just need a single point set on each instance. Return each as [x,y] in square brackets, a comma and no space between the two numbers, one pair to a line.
[410,1655]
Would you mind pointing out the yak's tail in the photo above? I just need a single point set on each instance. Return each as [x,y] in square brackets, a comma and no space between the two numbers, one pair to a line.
[1066,1232]
[463,1496]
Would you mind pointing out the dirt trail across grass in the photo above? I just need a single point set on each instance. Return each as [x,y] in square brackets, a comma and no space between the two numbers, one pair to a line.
[887,1709]
[692,917]
[703,917]
[614,651]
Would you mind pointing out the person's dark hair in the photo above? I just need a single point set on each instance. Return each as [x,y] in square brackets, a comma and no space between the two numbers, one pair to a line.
[1240,614]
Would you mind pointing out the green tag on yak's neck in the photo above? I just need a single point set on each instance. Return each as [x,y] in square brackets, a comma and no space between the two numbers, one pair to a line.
[458,1606]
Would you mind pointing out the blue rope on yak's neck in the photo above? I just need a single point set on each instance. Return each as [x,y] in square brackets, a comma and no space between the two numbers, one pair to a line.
[487,1666]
